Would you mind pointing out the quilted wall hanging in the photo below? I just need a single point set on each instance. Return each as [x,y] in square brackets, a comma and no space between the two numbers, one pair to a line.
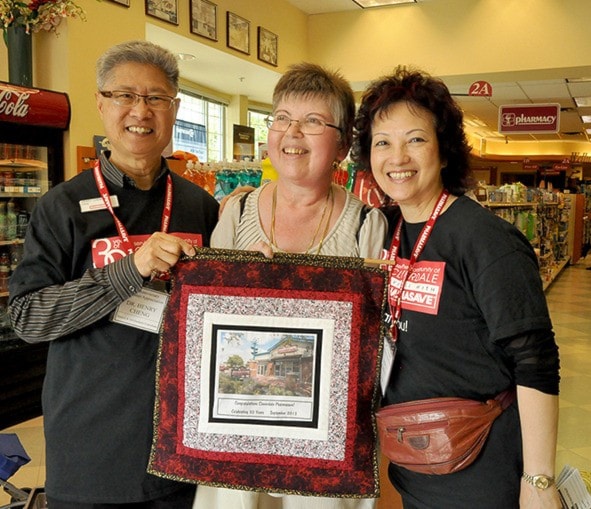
[268,374]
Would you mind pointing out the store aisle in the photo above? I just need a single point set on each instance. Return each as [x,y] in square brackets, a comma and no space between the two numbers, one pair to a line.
[569,300]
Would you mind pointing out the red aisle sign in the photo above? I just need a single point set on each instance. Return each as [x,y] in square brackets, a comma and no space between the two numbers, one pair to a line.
[34,106]
[529,118]
[480,88]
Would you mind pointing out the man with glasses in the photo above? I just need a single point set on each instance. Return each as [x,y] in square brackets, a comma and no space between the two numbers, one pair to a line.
[92,282]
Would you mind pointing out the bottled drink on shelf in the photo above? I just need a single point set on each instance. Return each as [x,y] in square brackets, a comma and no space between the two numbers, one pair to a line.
[4,271]
[16,255]
[10,221]
[22,221]
[2,220]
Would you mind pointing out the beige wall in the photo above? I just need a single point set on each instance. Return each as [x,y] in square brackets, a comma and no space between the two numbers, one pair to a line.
[446,37]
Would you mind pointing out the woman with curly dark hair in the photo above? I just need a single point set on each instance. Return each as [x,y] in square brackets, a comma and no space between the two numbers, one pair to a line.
[468,316]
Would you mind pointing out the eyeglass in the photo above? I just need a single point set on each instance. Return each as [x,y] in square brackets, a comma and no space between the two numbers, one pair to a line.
[130,99]
[309,125]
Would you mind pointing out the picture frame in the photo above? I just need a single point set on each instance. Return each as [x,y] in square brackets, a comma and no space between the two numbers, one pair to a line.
[204,19]
[237,33]
[268,374]
[125,3]
[165,10]
[267,46]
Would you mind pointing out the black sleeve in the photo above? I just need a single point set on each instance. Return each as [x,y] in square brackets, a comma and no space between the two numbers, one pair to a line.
[535,359]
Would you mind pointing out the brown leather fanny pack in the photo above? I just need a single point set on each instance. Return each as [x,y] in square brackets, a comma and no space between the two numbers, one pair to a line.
[438,435]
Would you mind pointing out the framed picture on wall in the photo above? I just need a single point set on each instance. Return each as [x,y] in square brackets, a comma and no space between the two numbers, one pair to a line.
[238,33]
[166,10]
[204,19]
[267,46]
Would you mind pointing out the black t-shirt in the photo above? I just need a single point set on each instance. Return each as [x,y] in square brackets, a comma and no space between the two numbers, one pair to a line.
[475,283]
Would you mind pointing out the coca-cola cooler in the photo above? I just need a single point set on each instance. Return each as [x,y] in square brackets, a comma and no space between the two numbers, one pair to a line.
[32,126]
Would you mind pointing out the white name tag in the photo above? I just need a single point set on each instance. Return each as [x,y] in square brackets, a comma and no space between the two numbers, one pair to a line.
[144,310]
[387,364]
[93,204]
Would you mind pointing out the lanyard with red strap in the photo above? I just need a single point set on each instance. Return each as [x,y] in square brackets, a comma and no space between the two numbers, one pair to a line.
[395,296]
[127,245]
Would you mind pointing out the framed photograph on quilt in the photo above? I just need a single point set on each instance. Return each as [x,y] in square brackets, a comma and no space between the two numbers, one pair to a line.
[268,374]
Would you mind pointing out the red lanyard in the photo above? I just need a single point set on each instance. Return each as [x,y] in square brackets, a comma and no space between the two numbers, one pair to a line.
[395,296]
[127,245]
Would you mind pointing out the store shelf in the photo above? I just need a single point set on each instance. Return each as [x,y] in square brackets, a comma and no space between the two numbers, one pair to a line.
[553,272]
[545,228]
[23,164]
[11,242]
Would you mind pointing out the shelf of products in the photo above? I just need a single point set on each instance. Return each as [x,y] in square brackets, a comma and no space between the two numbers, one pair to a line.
[23,179]
[545,222]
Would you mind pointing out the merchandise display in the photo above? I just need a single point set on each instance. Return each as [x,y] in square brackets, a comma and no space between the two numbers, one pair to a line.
[543,216]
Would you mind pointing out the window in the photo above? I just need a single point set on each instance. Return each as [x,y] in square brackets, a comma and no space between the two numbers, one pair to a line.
[256,119]
[196,111]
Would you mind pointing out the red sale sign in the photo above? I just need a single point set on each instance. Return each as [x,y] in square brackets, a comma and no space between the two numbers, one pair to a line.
[529,118]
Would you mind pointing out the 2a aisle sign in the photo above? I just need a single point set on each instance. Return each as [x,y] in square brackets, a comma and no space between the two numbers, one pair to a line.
[529,118]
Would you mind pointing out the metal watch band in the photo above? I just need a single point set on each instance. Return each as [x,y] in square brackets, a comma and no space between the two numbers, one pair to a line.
[539,481]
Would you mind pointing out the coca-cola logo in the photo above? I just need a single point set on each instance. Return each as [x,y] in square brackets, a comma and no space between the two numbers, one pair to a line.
[33,106]
[14,103]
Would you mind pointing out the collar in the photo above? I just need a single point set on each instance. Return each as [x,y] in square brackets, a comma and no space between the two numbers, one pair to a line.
[115,176]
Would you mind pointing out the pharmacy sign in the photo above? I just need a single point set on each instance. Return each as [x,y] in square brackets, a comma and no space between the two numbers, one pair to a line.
[529,118]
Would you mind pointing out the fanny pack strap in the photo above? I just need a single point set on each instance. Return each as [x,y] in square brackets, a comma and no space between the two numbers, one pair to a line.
[506,398]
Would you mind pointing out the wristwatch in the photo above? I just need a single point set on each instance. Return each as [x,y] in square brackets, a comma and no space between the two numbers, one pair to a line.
[539,481]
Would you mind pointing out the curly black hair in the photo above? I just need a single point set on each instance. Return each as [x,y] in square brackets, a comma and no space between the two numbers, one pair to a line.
[420,89]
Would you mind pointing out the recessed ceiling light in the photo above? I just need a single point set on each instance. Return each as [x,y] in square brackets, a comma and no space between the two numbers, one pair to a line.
[582,101]
[364,4]
[586,119]
[186,57]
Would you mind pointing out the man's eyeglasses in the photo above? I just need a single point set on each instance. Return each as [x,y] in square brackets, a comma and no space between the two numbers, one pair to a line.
[130,99]
[308,125]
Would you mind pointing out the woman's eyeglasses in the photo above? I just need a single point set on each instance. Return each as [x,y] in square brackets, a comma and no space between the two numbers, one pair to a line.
[308,125]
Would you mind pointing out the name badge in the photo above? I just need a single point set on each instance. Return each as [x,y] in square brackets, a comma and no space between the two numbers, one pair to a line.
[388,357]
[144,310]
[93,204]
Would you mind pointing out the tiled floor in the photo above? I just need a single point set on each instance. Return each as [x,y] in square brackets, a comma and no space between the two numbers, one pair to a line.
[569,299]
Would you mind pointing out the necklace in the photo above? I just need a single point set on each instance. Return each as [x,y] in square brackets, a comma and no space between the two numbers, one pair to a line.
[329,199]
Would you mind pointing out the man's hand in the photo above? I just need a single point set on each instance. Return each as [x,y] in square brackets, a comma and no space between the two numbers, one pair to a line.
[160,252]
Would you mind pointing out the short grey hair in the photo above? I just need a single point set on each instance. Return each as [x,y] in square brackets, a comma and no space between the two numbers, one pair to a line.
[311,80]
[141,52]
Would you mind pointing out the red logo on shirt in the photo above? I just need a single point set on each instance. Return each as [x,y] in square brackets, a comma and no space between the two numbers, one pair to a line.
[422,290]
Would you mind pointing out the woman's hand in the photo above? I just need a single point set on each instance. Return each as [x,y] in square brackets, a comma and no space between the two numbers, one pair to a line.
[534,498]
[238,190]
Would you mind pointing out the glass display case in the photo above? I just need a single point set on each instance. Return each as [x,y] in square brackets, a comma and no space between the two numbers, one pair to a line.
[32,126]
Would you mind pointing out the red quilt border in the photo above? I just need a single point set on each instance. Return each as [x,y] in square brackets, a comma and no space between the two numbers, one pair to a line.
[235,272]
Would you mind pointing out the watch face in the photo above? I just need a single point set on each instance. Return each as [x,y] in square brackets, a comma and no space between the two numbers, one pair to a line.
[541,482]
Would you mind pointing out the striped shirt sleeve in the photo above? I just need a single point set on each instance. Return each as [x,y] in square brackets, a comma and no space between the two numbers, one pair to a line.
[58,310]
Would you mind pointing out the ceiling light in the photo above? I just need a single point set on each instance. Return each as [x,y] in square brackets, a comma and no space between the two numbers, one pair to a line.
[586,119]
[364,4]
[185,57]
[582,101]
